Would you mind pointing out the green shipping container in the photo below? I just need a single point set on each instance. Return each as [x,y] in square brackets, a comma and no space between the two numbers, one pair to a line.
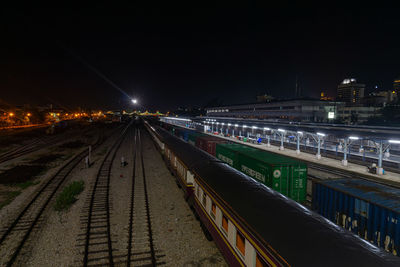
[229,153]
[283,174]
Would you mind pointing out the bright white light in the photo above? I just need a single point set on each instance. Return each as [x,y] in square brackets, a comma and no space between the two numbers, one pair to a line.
[222,123]
[134,101]
[299,132]
[354,138]
[331,115]
[282,130]
[244,126]
[229,124]
[217,123]
[236,125]
[394,141]
[254,127]
[266,129]
[177,119]
[321,134]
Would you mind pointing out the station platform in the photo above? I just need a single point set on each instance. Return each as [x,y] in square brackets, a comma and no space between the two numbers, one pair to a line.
[357,171]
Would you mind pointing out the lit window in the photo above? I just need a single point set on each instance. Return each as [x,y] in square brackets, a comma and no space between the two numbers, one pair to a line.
[204,199]
[240,241]
[224,223]
[213,210]
[260,262]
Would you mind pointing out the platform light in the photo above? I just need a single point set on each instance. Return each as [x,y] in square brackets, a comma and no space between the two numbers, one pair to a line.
[229,124]
[217,123]
[299,132]
[254,127]
[394,141]
[244,126]
[354,137]
[281,130]
[222,123]
[236,125]
[321,134]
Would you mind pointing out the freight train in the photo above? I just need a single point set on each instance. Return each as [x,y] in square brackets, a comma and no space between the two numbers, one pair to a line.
[254,225]
[283,174]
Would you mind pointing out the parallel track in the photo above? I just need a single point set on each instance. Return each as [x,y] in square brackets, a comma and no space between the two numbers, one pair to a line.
[14,237]
[98,229]
[141,250]
[28,148]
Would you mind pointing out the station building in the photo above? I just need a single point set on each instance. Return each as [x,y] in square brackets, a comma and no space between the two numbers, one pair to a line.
[306,110]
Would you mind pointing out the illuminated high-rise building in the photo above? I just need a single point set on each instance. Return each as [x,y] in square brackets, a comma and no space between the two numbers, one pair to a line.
[350,91]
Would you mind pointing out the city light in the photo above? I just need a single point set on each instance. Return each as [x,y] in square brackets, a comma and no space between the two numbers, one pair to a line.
[29,114]
[354,138]
[321,134]
[134,101]
[394,141]
[11,114]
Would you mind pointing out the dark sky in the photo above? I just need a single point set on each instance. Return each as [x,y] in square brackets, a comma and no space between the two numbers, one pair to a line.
[169,56]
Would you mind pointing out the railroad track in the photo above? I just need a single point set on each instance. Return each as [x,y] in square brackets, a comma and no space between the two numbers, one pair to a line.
[15,235]
[36,144]
[98,249]
[141,250]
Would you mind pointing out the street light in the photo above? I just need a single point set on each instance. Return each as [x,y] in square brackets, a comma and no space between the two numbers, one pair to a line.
[134,101]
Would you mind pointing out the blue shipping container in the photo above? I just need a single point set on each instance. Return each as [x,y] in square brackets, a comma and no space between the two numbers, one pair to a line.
[370,210]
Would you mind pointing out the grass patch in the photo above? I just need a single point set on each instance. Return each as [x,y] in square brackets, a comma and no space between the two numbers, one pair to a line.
[26,184]
[7,197]
[67,196]
[20,174]
[74,144]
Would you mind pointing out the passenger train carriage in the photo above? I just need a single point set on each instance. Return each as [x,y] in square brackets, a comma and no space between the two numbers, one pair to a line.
[255,226]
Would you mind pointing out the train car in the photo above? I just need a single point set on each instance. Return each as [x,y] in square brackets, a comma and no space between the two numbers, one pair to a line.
[256,226]
[368,209]
[179,168]
[209,143]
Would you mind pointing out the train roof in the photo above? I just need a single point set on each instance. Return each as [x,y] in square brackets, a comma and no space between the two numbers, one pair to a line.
[300,236]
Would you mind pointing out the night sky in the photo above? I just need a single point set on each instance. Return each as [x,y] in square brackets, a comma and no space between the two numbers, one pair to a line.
[170,56]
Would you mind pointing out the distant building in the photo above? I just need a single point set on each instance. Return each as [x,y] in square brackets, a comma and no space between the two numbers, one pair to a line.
[380,98]
[324,97]
[349,91]
[396,86]
[307,110]
[264,98]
